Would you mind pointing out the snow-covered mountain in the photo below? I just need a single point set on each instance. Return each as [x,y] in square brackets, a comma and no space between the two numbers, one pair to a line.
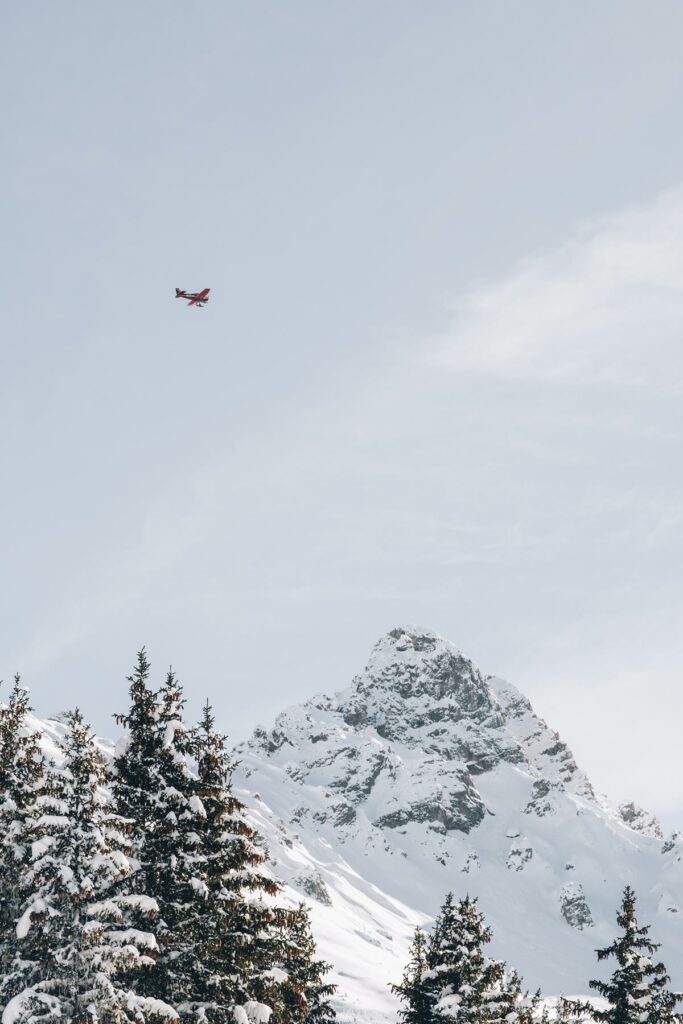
[425,776]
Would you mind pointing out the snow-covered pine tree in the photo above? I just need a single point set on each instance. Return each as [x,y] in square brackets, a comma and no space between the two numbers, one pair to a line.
[241,945]
[136,777]
[306,994]
[21,768]
[73,934]
[461,977]
[176,845]
[637,992]
[415,991]
[466,985]
[154,786]
[514,1003]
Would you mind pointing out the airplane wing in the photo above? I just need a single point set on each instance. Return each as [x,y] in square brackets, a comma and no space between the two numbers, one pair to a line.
[196,298]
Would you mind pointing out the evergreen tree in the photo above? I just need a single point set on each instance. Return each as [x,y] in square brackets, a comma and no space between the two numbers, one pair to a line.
[240,943]
[176,846]
[415,990]
[83,883]
[21,769]
[637,992]
[514,1003]
[135,780]
[154,786]
[460,982]
[74,938]
[305,992]
[463,979]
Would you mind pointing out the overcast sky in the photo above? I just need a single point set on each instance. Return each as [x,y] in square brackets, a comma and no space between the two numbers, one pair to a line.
[438,380]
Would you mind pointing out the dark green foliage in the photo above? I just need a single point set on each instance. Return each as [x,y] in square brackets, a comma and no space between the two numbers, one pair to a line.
[240,942]
[305,994]
[637,992]
[415,990]
[153,902]
[73,939]
[464,981]
[135,767]
[154,787]
[451,978]
[21,768]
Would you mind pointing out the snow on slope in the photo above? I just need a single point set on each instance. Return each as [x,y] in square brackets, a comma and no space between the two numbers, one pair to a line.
[425,777]
[361,931]
[355,922]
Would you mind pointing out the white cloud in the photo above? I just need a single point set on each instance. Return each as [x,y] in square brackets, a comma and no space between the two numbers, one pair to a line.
[605,308]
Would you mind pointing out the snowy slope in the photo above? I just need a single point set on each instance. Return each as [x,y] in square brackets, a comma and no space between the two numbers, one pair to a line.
[349,914]
[425,777]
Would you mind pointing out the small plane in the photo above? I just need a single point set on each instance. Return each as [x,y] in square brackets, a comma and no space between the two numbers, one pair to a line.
[196,298]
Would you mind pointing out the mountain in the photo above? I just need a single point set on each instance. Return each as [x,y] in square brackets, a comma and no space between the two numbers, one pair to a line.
[425,776]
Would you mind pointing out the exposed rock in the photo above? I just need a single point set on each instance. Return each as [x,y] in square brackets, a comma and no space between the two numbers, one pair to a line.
[271,741]
[344,814]
[675,841]
[460,811]
[314,886]
[542,800]
[520,854]
[573,906]
[639,820]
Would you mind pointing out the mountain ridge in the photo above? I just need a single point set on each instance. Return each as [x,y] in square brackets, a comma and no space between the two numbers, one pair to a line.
[426,776]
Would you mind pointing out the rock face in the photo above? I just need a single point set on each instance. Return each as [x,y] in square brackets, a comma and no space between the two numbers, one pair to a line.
[573,906]
[407,742]
[639,820]
[425,776]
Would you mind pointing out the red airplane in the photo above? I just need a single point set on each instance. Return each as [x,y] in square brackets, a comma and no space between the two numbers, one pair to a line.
[196,298]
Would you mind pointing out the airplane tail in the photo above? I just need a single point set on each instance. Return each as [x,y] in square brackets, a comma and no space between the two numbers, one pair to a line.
[177,292]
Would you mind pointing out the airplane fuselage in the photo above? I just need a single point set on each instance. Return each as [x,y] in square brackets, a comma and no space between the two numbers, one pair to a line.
[195,298]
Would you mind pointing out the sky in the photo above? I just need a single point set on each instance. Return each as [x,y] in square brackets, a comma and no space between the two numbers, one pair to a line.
[438,380]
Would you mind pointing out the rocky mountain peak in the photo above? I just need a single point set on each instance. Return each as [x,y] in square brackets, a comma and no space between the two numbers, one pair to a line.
[408,741]
[415,679]
[418,663]
[425,775]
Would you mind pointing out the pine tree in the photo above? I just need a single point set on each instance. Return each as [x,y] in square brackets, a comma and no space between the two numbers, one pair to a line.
[514,1003]
[73,935]
[637,992]
[136,779]
[463,979]
[414,990]
[460,982]
[21,769]
[154,786]
[305,993]
[241,943]
[176,847]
